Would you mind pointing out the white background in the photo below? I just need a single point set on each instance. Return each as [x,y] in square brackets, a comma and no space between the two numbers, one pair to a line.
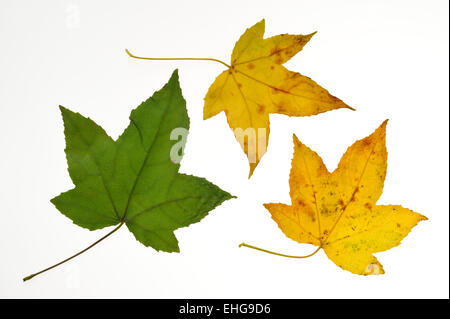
[387,59]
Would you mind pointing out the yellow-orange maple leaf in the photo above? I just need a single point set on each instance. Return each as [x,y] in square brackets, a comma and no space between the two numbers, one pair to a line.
[257,84]
[338,212]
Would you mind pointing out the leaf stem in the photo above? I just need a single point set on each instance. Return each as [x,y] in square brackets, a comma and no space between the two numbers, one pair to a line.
[174,59]
[278,254]
[77,254]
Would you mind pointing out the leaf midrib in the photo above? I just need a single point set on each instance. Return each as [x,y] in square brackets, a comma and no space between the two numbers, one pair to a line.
[353,194]
[123,219]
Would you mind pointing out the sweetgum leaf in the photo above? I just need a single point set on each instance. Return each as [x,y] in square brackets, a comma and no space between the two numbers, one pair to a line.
[133,180]
[257,84]
[338,212]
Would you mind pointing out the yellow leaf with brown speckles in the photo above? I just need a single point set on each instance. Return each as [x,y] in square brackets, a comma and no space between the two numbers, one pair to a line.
[338,212]
[257,84]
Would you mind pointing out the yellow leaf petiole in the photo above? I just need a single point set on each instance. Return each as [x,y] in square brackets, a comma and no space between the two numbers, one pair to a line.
[278,254]
[175,59]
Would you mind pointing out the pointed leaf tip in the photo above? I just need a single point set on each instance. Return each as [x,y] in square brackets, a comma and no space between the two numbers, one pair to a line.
[65,112]
[296,140]
[174,76]
[63,109]
[382,127]
[174,80]
[309,36]
[262,23]
[175,73]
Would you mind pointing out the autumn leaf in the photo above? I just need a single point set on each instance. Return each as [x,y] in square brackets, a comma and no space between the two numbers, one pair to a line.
[338,212]
[257,84]
[133,181]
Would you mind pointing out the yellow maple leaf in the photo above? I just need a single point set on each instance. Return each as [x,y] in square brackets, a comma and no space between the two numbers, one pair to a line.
[257,84]
[337,211]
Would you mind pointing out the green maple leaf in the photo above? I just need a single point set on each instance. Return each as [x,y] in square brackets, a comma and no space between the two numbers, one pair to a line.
[133,181]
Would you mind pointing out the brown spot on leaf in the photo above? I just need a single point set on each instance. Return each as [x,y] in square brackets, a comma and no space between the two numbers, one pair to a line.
[368,205]
[275,51]
[260,108]
[354,194]
[250,66]
[281,108]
